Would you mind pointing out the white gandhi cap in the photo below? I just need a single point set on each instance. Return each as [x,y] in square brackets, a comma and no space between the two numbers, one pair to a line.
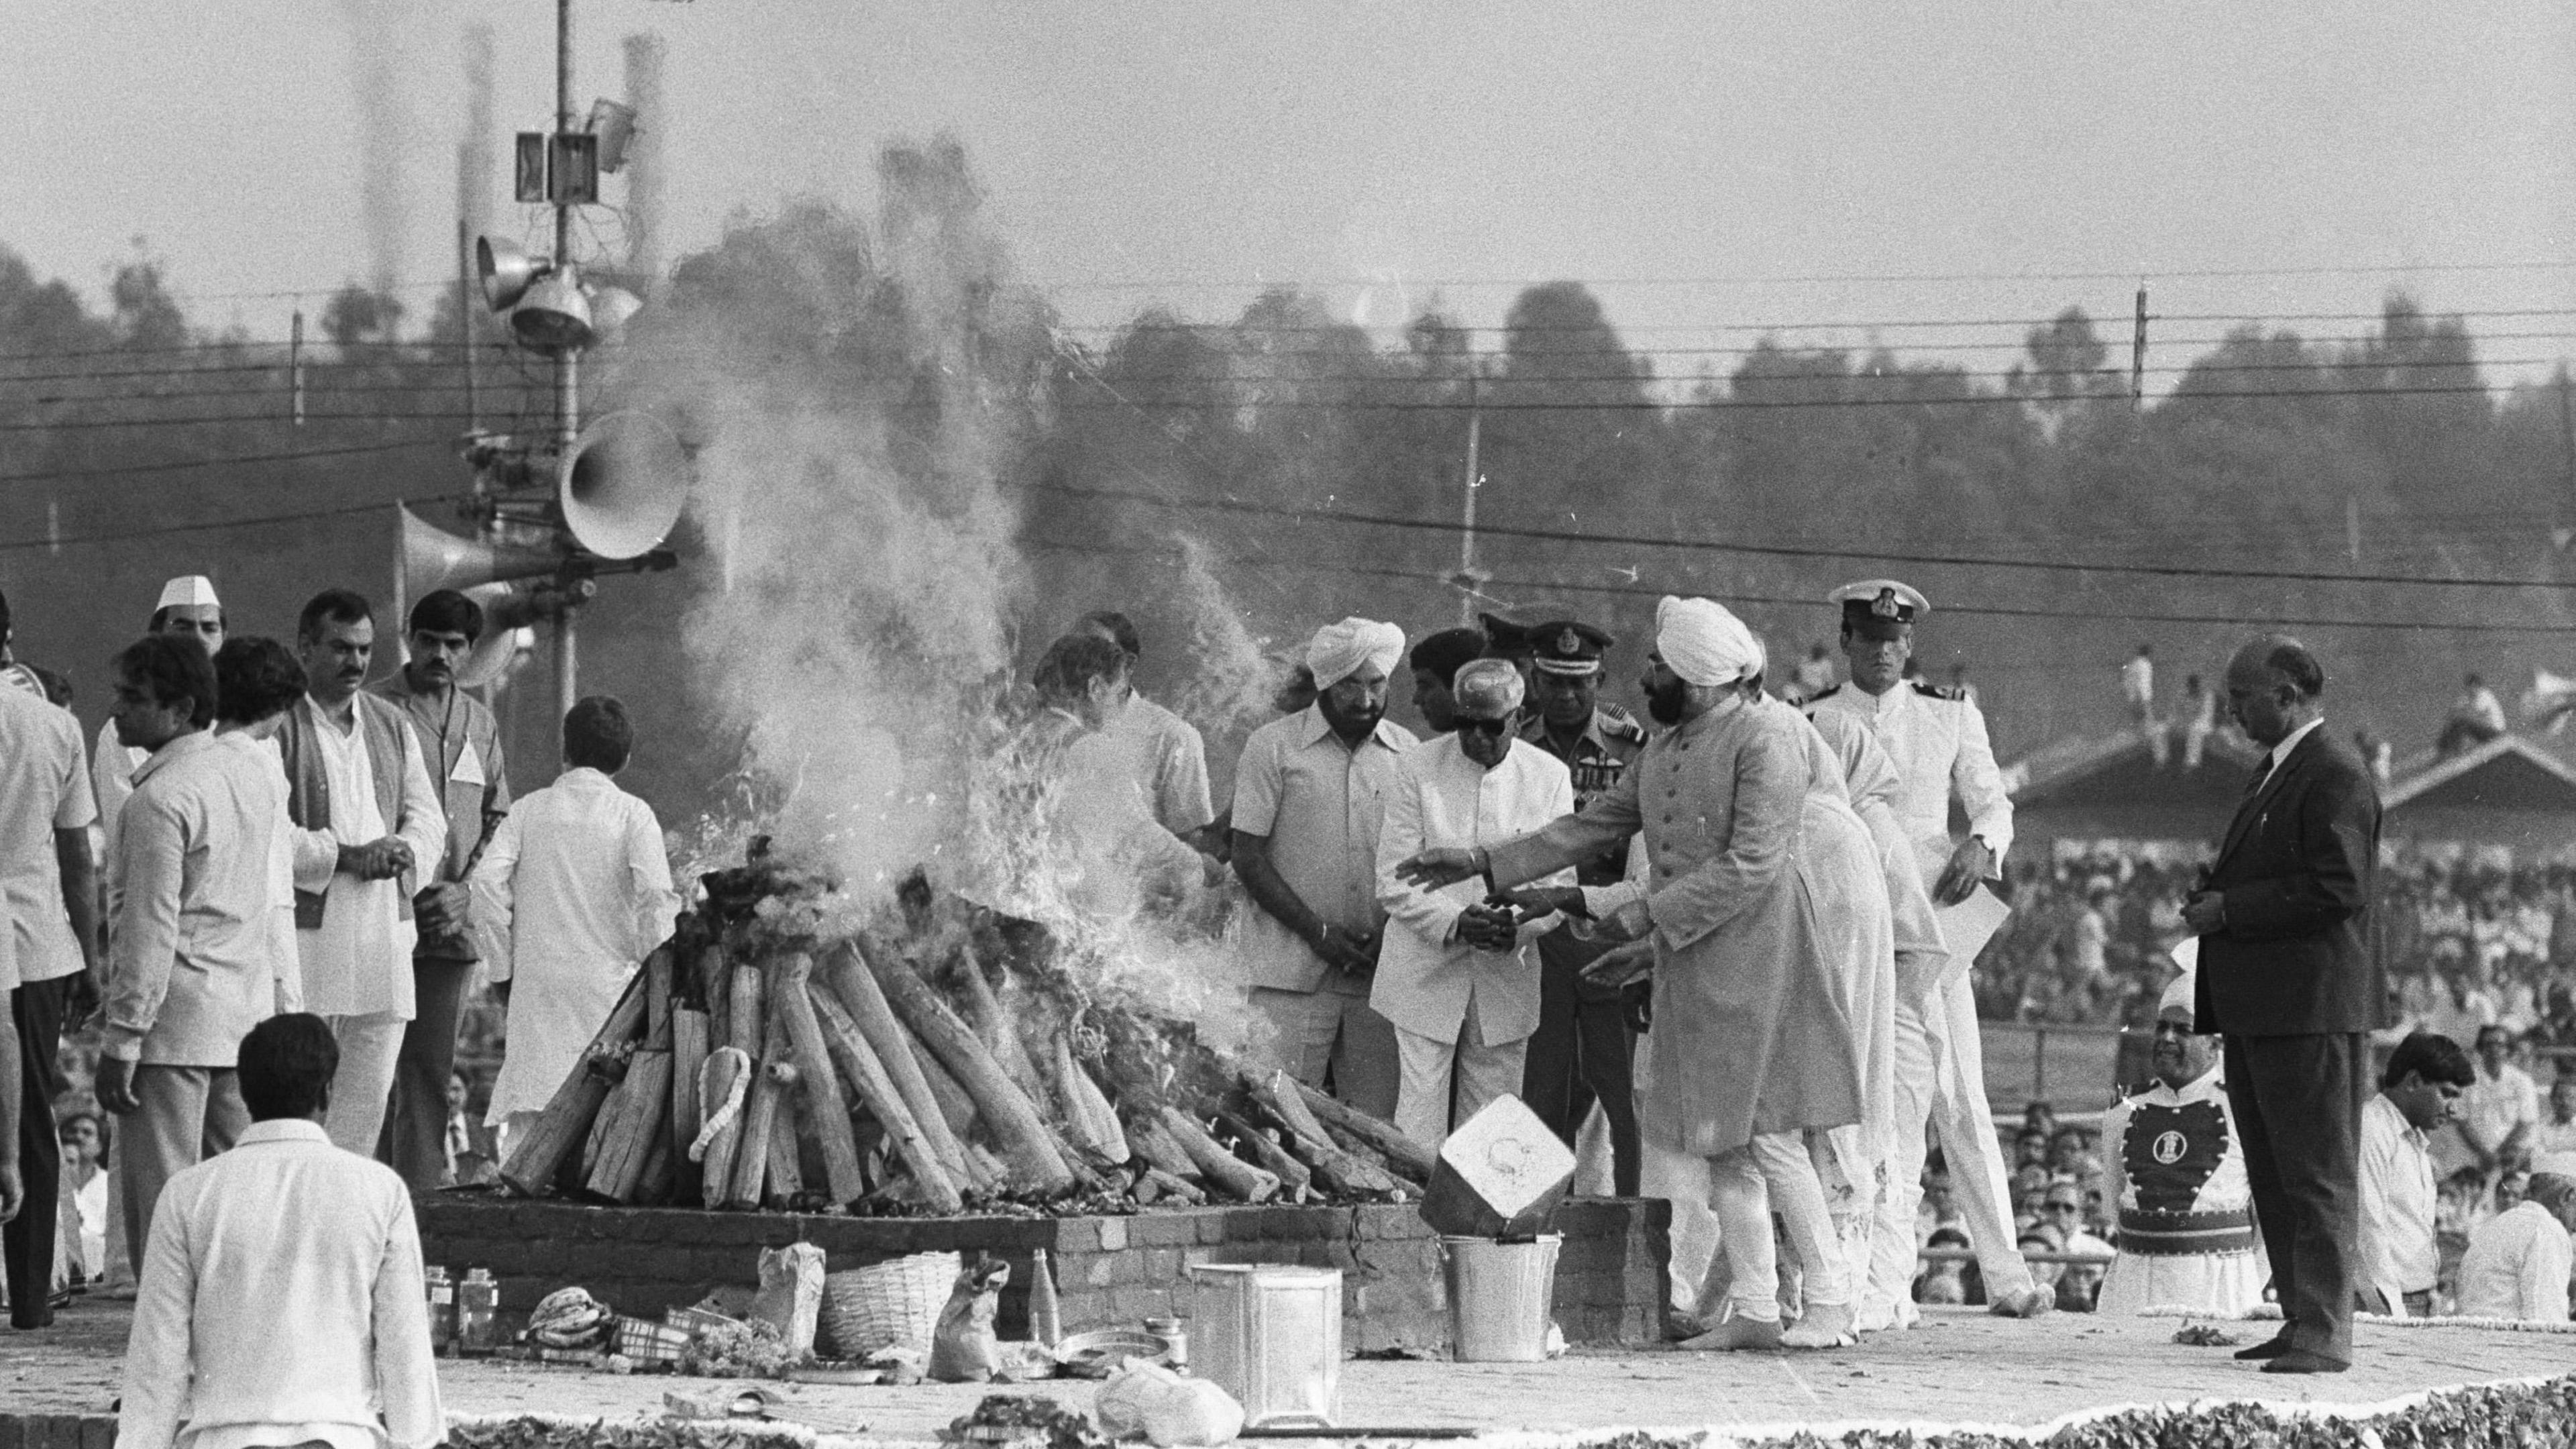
[189,591]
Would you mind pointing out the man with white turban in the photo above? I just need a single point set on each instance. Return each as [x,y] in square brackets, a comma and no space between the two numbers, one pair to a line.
[2173,1168]
[2518,1261]
[1310,793]
[1753,1032]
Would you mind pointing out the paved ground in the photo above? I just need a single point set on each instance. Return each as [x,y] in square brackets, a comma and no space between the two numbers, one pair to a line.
[1959,1367]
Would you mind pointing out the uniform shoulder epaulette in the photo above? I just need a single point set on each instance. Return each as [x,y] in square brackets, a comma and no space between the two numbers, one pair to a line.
[1938,691]
[1821,695]
[1618,723]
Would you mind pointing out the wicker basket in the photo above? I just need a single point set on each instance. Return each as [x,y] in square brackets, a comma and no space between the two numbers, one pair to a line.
[894,1304]
[645,1341]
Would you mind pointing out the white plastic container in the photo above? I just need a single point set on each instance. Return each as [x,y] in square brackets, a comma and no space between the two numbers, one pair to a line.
[1270,1335]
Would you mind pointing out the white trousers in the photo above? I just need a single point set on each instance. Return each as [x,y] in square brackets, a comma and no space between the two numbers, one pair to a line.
[1941,1089]
[1721,1232]
[1432,1069]
[369,1048]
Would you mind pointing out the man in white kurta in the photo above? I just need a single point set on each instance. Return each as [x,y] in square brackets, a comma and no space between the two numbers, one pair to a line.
[1457,977]
[571,894]
[1165,751]
[2173,1168]
[1937,741]
[2518,1261]
[281,1299]
[368,820]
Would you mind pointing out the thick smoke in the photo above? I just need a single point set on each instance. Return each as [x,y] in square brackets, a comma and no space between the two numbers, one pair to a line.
[860,398]
[646,93]
[478,156]
[387,127]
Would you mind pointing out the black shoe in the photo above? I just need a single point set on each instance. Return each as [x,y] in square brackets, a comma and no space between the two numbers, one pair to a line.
[2269,1348]
[2302,1361]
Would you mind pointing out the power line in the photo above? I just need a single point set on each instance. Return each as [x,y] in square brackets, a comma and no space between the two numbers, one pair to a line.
[114,470]
[1354,516]
[1762,279]
[129,535]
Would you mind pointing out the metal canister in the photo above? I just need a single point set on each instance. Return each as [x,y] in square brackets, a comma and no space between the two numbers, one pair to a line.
[1176,1332]
[442,1309]
[478,1306]
[1271,1335]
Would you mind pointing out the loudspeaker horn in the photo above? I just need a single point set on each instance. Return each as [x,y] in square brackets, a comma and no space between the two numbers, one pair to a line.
[434,559]
[554,316]
[624,485]
[506,270]
[508,611]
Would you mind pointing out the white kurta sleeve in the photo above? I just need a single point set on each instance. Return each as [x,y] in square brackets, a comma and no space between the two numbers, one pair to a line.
[2544,1277]
[1430,915]
[160,1358]
[424,813]
[406,1375]
[648,875]
[492,887]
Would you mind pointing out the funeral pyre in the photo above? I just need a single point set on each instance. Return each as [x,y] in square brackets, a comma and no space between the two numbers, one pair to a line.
[939,1058]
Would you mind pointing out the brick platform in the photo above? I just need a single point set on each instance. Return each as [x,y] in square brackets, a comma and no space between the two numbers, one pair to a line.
[1110,1271]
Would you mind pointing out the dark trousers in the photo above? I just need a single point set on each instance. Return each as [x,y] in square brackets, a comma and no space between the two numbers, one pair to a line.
[27,1243]
[1581,1054]
[2298,1101]
[415,1136]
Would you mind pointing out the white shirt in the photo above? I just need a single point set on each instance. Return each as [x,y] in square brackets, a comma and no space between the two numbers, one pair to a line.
[2138,679]
[2493,1106]
[1426,976]
[2517,1267]
[111,775]
[192,954]
[281,1301]
[44,787]
[2398,1254]
[281,868]
[2281,752]
[358,961]
[576,873]
[1170,762]
[1937,743]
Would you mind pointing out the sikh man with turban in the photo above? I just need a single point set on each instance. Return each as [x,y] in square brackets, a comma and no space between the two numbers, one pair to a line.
[1459,976]
[1753,1029]
[1310,793]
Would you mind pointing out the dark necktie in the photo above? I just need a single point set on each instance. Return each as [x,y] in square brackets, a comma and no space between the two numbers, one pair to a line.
[2262,772]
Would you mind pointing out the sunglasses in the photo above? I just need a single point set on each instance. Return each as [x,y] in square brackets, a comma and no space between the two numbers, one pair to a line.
[2063,1207]
[1489,728]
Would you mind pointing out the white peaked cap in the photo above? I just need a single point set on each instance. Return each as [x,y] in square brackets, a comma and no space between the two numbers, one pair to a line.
[189,591]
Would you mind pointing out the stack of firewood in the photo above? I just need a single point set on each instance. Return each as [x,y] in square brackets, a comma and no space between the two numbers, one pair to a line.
[905,1069]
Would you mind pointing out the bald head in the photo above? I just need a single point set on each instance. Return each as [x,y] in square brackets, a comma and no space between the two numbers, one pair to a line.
[2274,686]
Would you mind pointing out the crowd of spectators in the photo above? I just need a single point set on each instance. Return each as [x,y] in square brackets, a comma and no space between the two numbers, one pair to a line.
[2059,1209]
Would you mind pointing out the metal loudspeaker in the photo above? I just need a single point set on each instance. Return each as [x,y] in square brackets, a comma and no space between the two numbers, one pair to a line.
[507,272]
[623,485]
[554,316]
[434,559]
[508,612]
[610,306]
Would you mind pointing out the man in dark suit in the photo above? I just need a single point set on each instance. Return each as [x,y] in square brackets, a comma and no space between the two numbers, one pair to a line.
[2287,978]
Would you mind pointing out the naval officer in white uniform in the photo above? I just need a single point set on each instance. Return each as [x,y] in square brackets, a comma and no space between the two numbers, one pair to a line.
[1937,741]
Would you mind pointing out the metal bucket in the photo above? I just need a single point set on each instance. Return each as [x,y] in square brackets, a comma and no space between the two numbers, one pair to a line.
[1272,1337]
[1501,1297]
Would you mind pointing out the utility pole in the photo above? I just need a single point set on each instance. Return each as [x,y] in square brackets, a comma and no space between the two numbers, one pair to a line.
[2138,355]
[568,360]
[1471,579]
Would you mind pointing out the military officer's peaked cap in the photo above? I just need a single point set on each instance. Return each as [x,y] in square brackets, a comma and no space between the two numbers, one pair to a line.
[1506,637]
[1873,605]
[1568,647]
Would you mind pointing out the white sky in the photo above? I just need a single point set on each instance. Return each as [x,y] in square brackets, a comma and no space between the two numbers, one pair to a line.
[1685,156]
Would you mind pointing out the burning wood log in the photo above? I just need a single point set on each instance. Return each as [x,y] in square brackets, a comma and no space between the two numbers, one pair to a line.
[635,1117]
[1013,1120]
[955,1107]
[715,976]
[1294,1176]
[1168,1186]
[785,1179]
[689,1038]
[1087,1108]
[849,986]
[1161,1151]
[984,1010]
[884,1101]
[823,1105]
[565,1122]
[759,1120]
[744,995]
[1238,1178]
[657,998]
[1401,1152]
[1336,1170]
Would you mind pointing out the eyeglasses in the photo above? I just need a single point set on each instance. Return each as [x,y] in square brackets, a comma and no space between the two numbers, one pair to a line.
[1489,728]
[2063,1207]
